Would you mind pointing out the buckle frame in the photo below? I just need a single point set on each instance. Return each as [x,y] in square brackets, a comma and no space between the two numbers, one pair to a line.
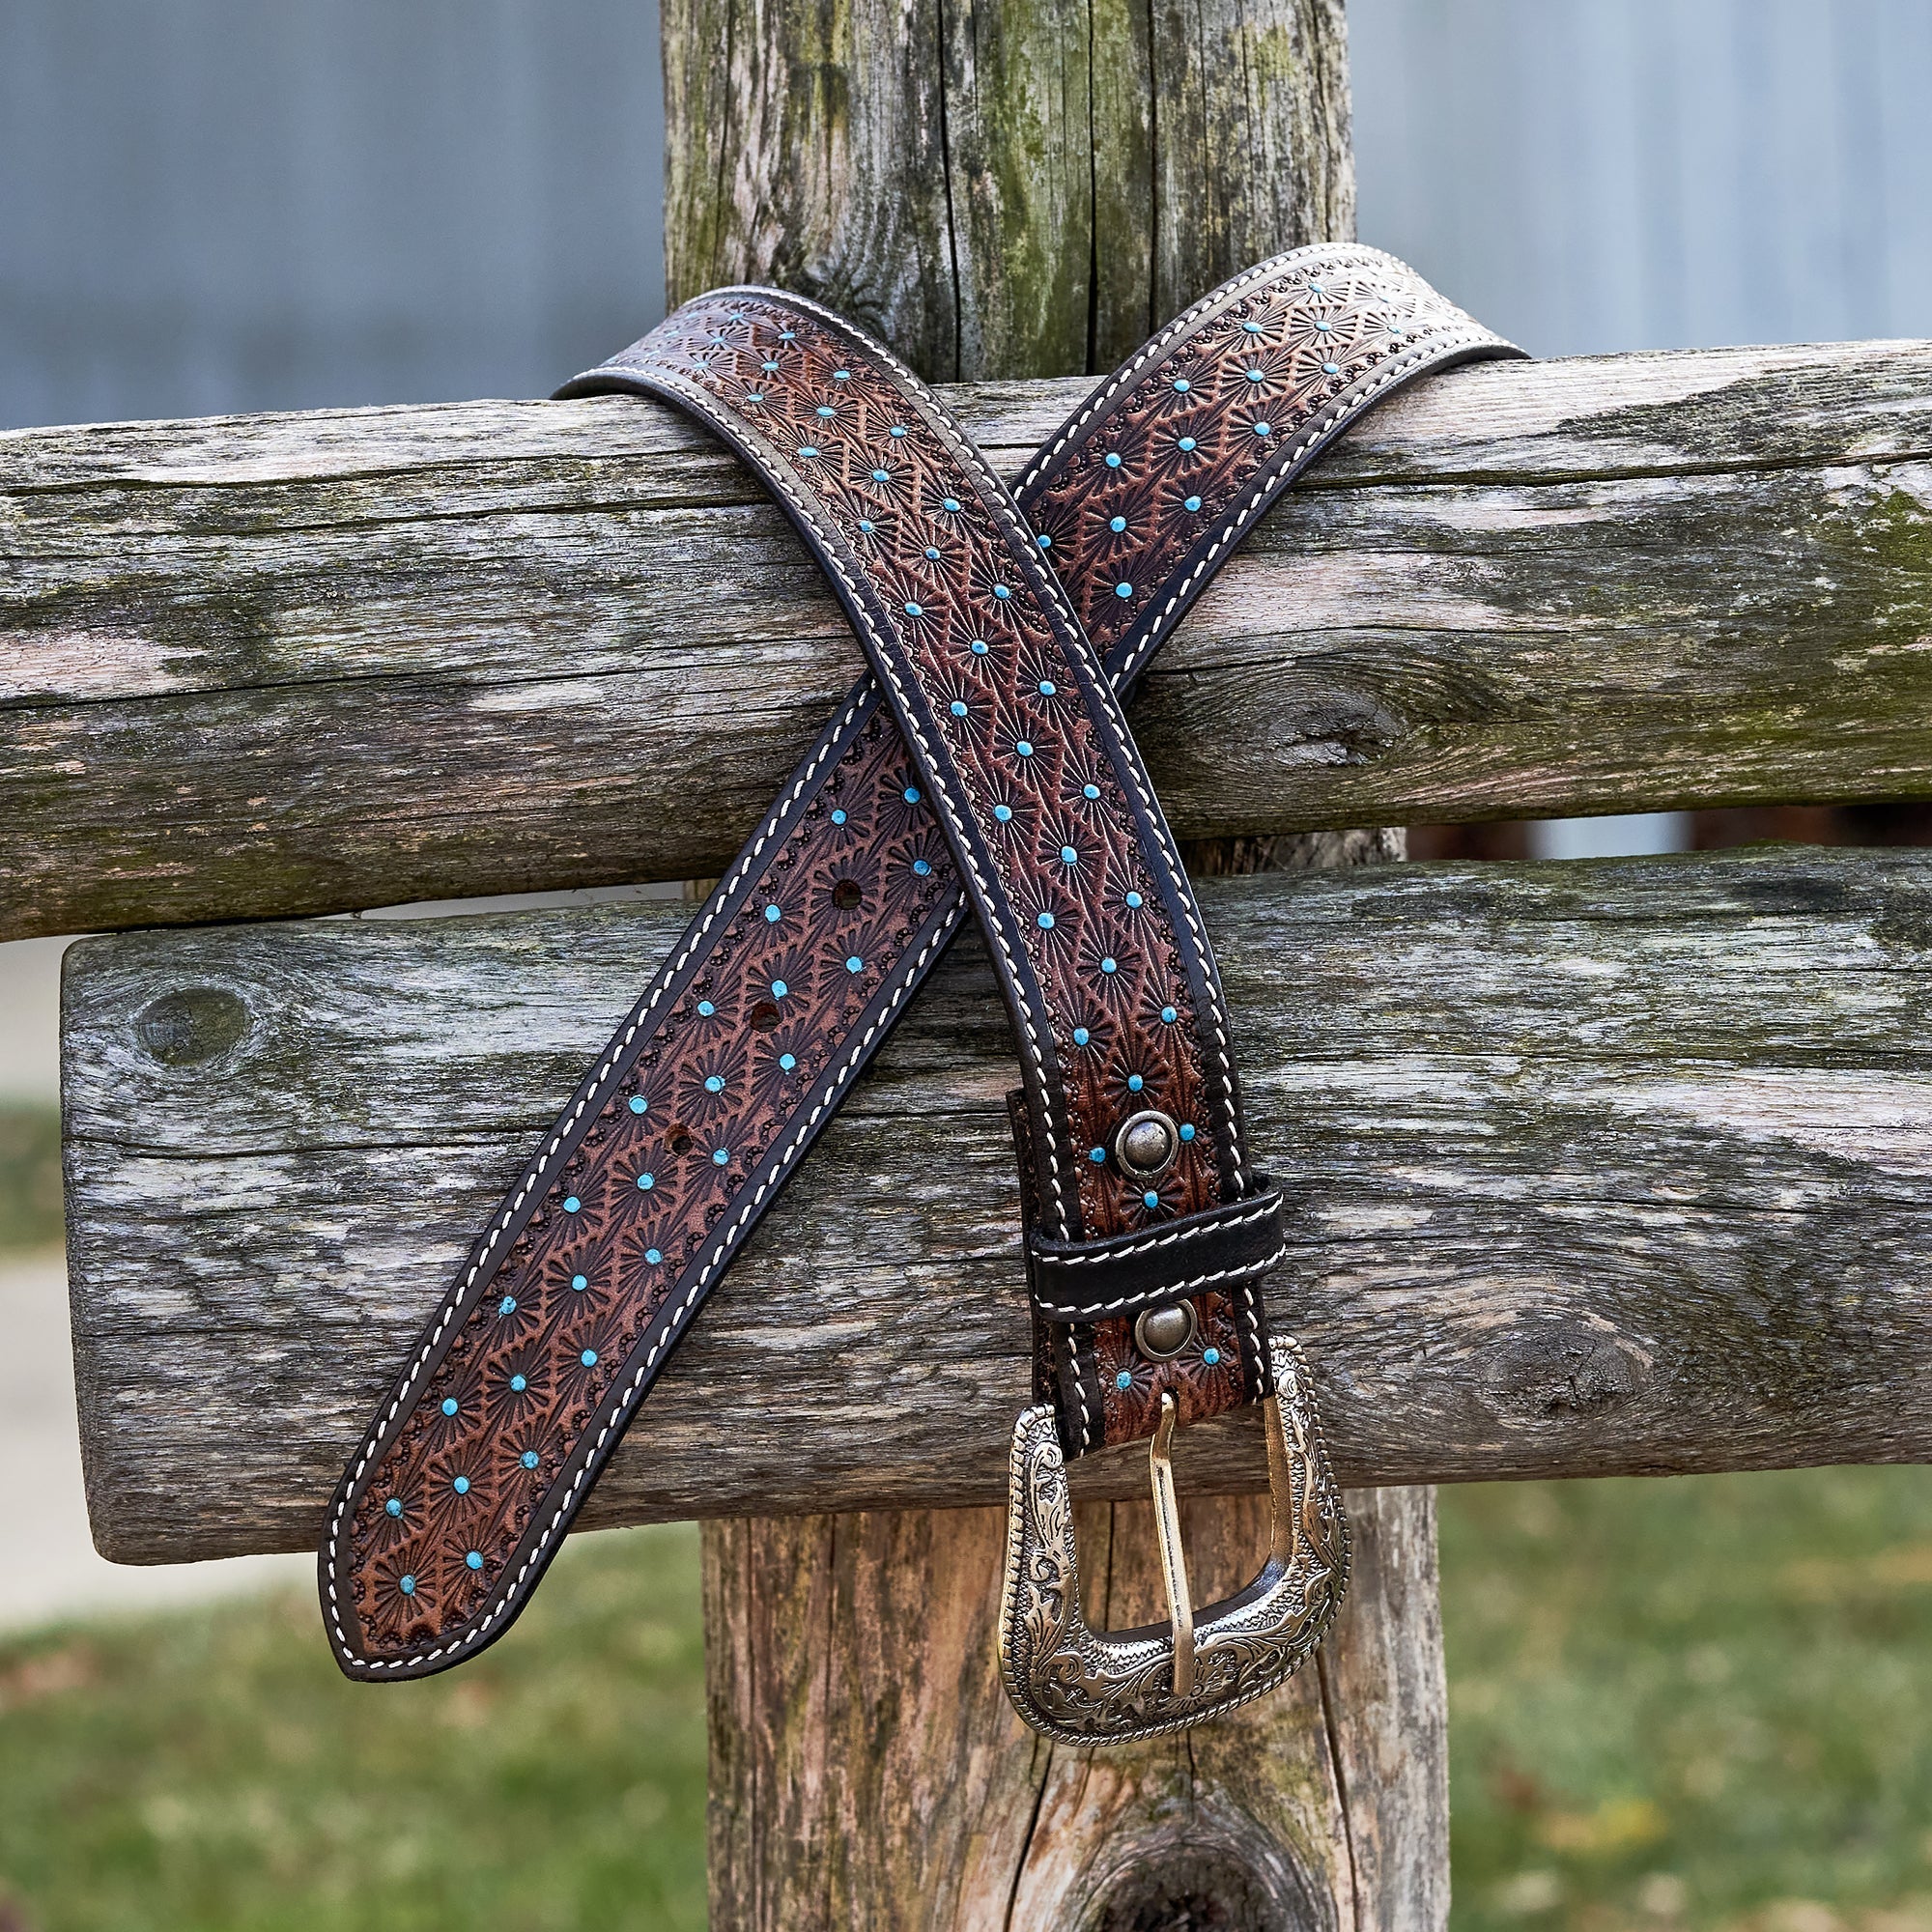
[1080,1686]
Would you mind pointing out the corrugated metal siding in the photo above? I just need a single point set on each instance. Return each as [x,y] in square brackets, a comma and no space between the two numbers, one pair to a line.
[1594,175]
[211,204]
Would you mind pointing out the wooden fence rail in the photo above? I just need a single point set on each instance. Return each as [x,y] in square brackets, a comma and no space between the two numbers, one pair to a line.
[288,665]
[1623,1166]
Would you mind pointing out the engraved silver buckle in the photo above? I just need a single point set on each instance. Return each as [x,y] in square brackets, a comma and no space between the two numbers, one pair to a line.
[1086,1687]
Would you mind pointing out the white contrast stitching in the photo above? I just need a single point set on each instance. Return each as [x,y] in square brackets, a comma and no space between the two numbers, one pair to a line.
[1060,1310]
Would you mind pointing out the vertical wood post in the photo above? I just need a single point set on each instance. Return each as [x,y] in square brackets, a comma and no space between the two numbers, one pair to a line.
[1028,188]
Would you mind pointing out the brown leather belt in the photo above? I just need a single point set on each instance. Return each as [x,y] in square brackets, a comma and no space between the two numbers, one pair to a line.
[983,763]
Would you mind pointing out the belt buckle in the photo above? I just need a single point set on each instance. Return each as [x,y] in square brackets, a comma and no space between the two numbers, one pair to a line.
[1081,1685]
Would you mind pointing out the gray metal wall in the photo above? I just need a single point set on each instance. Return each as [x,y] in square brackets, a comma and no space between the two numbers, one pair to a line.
[211,204]
[1596,175]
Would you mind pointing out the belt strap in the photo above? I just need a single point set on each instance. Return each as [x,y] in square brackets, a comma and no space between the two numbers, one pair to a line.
[983,761]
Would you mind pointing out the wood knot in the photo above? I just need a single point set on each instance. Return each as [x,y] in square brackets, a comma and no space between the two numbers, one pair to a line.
[193,1024]
[1561,1371]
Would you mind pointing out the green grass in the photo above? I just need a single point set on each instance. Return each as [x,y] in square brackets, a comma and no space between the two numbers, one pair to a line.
[210,1770]
[1704,1702]
[30,1179]
[1701,1704]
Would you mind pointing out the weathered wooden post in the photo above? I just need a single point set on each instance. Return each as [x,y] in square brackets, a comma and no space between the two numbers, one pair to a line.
[1011,190]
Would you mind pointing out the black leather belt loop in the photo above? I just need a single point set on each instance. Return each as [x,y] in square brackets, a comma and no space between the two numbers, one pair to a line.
[983,763]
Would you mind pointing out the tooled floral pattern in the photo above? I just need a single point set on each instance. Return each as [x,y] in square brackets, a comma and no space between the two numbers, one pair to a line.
[508,1444]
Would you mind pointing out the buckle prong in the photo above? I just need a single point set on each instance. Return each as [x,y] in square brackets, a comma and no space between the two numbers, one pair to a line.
[1172,1555]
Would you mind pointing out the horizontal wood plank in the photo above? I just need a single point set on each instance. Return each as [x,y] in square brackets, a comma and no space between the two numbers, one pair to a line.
[279,665]
[1612,1167]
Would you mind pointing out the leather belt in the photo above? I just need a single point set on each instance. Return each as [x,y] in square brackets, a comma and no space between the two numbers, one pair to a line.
[983,763]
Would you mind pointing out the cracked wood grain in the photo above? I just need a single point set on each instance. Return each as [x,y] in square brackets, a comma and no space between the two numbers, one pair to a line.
[272,665]
[1593,1168]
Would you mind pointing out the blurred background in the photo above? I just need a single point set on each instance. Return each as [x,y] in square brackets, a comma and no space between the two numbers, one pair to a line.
[1693,1703]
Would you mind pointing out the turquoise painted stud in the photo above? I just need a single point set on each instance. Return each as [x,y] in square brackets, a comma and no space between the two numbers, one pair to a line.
[779,989]
[449,1405]
[528,1459]
[1124,1381]
[1192,504]
[571,1204]
[406,1585]
[475,1559]
[645,1182]
[517,1385]
[461,1485]
[588,1358]
[1210,1356]
[638,1104]
[720,1157]
[580,1281]
[1187,1131]
[507,1306]
[788,1061]
[714,1083]
[1047,922]
[854,964]
[394,1505]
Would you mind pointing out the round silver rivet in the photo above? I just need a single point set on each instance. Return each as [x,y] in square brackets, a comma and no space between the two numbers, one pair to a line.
[1147,1144]
[1162,1333]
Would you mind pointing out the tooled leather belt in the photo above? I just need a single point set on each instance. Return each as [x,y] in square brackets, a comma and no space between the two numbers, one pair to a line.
[983,763]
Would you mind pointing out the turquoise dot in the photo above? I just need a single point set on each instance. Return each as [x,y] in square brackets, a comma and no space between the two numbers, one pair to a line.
[1192,504]
[1263,428]
[394,1505]
[912,794]
[922,866]
[1187,1131]
[507,1306]
[839,816]
[406,1585]
[867,526]
[588,1358]
[653,1256]
[1149,1199]
[1322,325]
[1395,333]
[914,609]
[1090,791]
[1124,1381]
[1002,812]
[770,368]
[714,1084]
[720,1157]
[646,1182]
[475,1559]
[461,1485]
[1123,591]
[854,964]
[788,1061]
[807,452]
[772,915]
[959,709]
[949,504]
[754,398]
[1135,1083]
[705,1010]
[1182,385]
[787,335]
[449,1405]
[1256,376]
[1081,1035]
[1331,368]
[1097,1156]
[1113,459]
[1068,856]
[1117,524]
[1024,748]
[779,989]
[528,1459]
[1210,1356]
[1048,688]
[1044,541]
[1168,1015]
[980,648]
[898,429]
[841,375]
[826,410]
[1110,965]
[1187,443]
[1135,901]
[638,1104]
[517,1385]
[571,1204]
[1002,591]
[580,1281]
[1047,922]
[1252,328]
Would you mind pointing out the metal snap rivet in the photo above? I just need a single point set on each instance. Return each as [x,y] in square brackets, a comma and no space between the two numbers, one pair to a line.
[1162,1333]
[1147,1144]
